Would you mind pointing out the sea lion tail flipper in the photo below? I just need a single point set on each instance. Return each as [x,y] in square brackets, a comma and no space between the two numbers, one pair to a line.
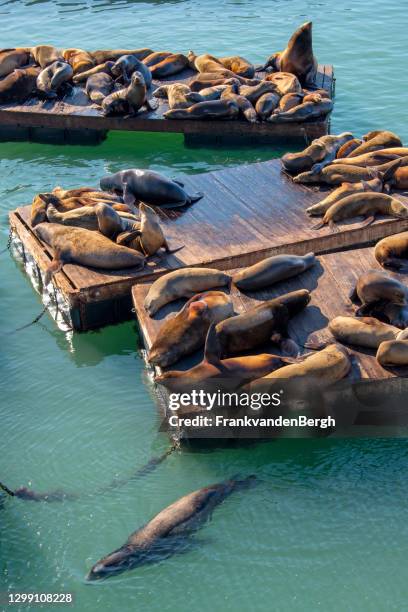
[171,251]
[212,350]
[195,197]
[368,221]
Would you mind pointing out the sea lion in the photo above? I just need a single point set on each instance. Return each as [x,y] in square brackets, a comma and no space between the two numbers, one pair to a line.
[266,321]
[79,59]
[399,179]
[373,141]
[245,107]
[215,109]
[214,93]
[254,92]
[393,353]
[308,109]
[173,64]
[285,83]
[367,332]
[90,192]
[392,251]
[160,537]
[186,332]
[366,204]
[156,57]
[289,101]
[266,104]
[345,189]
[208,79]
[348,147]
[85,248]
[44,55]
[375,158]
[129,99]
[149,237]
[207,63]
[89,217]
[41,201]
[272,270]
[178,95]
[105,55]
[19,85]
[378,286]
[10,59]
[105,68]
[127,65]
[231,373]
[51,79]
[149,187]
[112,223]
[395,314]
[239,65]
[98,87]
[321,369]
[182,283]
[336,174]
[322,150]
[298,56]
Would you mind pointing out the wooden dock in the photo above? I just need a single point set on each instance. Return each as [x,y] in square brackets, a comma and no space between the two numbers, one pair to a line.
[247,213]
[75,120]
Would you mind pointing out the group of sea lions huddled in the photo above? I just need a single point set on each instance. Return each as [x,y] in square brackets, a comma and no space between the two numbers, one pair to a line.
[364,172]
[119,81]
[104,228]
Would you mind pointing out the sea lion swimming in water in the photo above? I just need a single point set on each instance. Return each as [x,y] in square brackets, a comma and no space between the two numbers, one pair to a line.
[373,141]
[186,332]
[10,59]
[392,252]
[19,85]
[367,332]
[345,189]
[321,150]
[214,109]
[272,270]
[163,534]
[53,77]
[182,283]
[149,187]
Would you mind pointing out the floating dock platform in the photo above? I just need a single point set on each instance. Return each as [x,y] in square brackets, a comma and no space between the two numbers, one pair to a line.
[247,213]
[74,119]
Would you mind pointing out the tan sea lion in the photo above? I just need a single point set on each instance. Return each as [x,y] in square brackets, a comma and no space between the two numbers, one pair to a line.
[289,101]
[215,109]
[214,93]
[392,251]
[44,55]
[41,201]
[272,270]
[373,141]
[393,353]
[209,79]
[207,63]
[156,57]
[254,92]
[105,55]
[173,64]
[88,217]
[266,104]
[322,150]
[348,147]
[98,87]
[182,283]
[399,180]
[375,158]
[266,321]
[367,332]
[308,109]
[53,77]
[298,56]
[90,192]
[149,237]
[186,332]
[239,65]
[79,59]
[105,68]
[336,174]
[19,85]
[345,189]
[378,286]
[285,83]
[366,204]
[179,95]
[10,59]
[245,107]
[130,99]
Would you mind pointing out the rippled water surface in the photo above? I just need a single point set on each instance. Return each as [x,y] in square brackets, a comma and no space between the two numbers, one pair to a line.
[326,528]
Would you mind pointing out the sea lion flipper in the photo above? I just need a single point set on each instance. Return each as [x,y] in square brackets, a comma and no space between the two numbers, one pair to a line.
[333,226]
[212,350]
[171,251]
[54,267]
[368,221]
[318,225]
[195,197]
[125,237]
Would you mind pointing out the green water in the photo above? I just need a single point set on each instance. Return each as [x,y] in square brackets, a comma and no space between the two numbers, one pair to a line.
[326,529]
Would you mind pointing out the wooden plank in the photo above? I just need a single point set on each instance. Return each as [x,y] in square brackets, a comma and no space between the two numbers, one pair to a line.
[330,282]
[75,112]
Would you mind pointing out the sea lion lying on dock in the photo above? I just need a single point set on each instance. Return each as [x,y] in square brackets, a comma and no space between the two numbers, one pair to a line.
[374,158]
[272,270]
[160,537]
[79,59]
[105,55]
[245,107]
[98,87]
[89,217]
[373,141]
[321,150]
[149,187]
[186,332]
[266,104]
[215,109]
[375,287]
[348,147]
[105,68]
[310,108]
[336,174]
[19,85]
[289,101]
[44,55]
[53,77]
[367,332]
[238,65]
[129,99]
[392,251]
[126,65]
[345,189]
[178,95]
[393,353]
[156,57]
[10,59]
[182,283]
[227,66]
[367,204]
[254,92]
[285,83]
[172,64]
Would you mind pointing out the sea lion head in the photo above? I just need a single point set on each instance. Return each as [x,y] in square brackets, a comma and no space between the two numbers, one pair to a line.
[137,80]
[39,207]
[191,56]
[399,209]
[108,183]
[115,563]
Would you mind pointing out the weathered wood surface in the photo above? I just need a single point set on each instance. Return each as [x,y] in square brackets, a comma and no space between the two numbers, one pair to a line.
[75,112]
[246,214]
[330,282]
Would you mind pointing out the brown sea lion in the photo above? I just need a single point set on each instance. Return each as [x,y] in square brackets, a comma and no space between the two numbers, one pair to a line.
[348,147]
[182,283]
[209,79]
[266,104]
[399,180]
[149,238]
[156,57]
[308,109]
[88,217]
[52,78]
[19,85]
[254,92]
[373,141]
[44,55]
[215,109]
[98,87]
[366,204]
[130,99]
[106,55]
[179,95]
[289,101]
[375,158]
[272,270]
[395,314]
[393,353]
[367,332]
[264,322]
[214,93]
[90,192]
[238,65]
[336,174]
[285,83]
[186,332]
[298,56]
[207,63]
[392,251]
[245,107]
[322,150]
[105,68]
[345,189]
[41,201]
[79,59]
[126,65]
[173,64]
[112,223]
[232,372]
[378,286]
[10,59]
